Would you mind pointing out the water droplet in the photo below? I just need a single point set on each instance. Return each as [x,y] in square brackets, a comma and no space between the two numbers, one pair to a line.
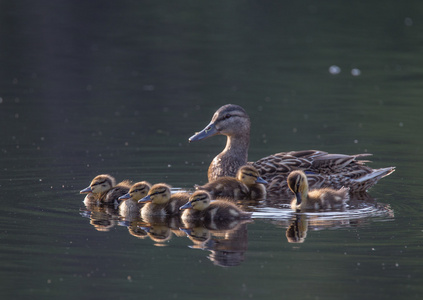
[408,21]
[355,72]
[334,70]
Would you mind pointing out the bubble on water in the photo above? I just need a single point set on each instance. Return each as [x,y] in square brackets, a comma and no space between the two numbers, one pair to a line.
[355,72]
[334,70]
[408,21]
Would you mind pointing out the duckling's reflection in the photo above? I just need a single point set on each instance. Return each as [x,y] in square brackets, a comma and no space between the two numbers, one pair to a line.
[297,231]
[160,228]
[227,242]
[102,216]
[361,208]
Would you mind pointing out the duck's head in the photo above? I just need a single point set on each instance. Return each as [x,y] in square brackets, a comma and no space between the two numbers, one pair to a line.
[199,200]
[298,184]
[138,191]
[100,184]
[158,194]
[229,120]
[249,175]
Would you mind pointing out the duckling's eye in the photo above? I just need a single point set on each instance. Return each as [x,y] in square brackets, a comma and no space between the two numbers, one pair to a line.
[98,183]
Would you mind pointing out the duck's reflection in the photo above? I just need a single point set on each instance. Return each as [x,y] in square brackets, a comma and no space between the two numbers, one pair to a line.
[297,231]
[361,209]
[226,241]
[102,216]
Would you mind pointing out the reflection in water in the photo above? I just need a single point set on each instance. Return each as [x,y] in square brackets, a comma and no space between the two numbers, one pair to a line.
[297,231]
[227,245]
[102,216]
[360,209]
[227,240]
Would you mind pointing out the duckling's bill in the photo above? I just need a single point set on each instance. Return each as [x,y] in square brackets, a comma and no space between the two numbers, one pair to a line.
[126,196]
[87,190]
[261,180]
[145,199]
[209,131]
[186,206]
[298,196]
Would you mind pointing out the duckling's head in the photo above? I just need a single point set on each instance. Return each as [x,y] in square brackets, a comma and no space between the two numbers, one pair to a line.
[138,191]
[298,184]
[100,184]
[229,120]
[199,200]
[158,194]
[249,175]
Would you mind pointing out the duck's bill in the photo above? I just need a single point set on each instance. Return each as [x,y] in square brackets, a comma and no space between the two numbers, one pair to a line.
[145,199]
[186,230]
[87,190]
[186,206]
[298,195]
[126,196]
[261,180]
[145,228]
[209,131]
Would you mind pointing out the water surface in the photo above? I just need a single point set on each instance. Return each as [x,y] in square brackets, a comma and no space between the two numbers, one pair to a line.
[115,88]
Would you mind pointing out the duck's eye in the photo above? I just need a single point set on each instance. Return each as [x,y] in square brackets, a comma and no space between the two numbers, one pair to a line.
[227,116]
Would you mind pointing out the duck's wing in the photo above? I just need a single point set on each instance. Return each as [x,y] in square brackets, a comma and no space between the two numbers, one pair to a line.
[322,170]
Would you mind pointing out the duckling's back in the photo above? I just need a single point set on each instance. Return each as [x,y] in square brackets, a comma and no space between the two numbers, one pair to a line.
[221,210]
[169,208]
[114,193]
[328,198]
[226,187]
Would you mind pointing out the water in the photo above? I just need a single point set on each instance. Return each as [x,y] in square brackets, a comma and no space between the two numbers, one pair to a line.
[115,88]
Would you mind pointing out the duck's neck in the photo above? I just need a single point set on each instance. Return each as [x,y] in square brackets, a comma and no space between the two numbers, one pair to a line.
[231,158]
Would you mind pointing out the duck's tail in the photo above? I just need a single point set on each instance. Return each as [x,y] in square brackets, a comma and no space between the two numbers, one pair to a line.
[376,175]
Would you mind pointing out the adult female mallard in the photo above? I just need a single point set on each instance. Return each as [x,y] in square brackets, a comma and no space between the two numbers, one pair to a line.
[160,201]
[246,185]
[323,169]
[325,198]
[201,208]
[104,188]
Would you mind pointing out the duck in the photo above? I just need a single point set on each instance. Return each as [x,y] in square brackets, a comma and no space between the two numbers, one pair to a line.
[246,185]
[104,188]
[201,208]
[318,199]
[160,201]
[323,169]
[129,205]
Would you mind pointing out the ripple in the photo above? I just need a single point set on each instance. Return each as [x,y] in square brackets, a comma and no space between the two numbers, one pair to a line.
[382,212]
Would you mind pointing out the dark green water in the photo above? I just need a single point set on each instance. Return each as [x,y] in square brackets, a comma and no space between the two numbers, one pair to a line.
[118,88]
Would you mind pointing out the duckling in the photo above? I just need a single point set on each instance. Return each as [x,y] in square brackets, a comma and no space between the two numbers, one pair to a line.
[201,208]
[325,198]
[247,185]
[129,205]
[326,170]
[161,202]
[104,188]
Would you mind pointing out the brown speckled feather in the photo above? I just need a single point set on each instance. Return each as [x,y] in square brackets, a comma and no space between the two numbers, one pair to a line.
[322,169]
